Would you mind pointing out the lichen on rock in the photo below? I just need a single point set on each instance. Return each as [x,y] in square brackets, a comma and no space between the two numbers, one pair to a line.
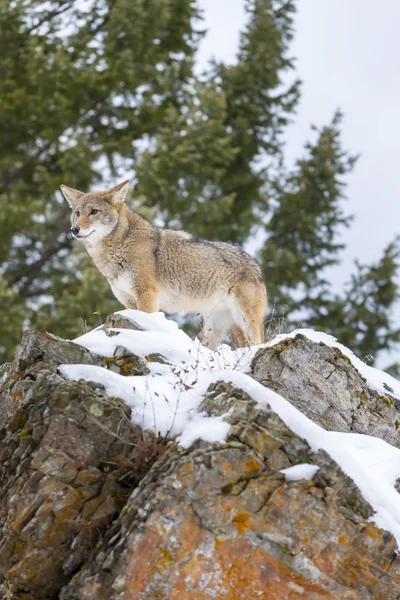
[94,508]
[323,383]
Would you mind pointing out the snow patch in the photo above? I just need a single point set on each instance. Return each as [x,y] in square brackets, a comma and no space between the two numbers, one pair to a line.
[210,429]
[301,471]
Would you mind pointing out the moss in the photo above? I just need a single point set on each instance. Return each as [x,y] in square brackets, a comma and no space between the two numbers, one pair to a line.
[363,397]
[226,490]
[344,357]
[386,399]
[284,345]
[109,361]
[127,366]
[18,421]
[156,357]
[115,401]
[165,557]
[23,433]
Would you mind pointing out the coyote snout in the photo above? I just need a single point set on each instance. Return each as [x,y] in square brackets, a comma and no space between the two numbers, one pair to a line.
[151,269]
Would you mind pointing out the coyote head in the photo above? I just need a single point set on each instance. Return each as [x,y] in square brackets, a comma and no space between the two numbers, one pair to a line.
[95,214]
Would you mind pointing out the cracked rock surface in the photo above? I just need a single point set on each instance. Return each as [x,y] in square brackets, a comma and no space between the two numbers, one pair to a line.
[322,383]
[93,508]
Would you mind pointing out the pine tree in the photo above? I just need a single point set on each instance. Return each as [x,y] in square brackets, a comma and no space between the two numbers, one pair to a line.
[182,176]
[303,242]
[209,165]
[80,84]
[361,317]
[259,106]
[305,222]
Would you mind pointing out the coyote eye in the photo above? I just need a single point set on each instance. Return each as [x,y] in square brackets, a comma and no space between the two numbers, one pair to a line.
[77,213]
[94,211]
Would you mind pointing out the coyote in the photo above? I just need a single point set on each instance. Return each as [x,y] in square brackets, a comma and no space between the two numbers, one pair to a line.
[149,268]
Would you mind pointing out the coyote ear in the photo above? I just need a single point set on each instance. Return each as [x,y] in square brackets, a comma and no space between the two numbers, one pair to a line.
[72,196]
[119,192]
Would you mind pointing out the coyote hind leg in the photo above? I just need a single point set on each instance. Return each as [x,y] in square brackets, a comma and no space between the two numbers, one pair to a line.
[215,326]
[239,338]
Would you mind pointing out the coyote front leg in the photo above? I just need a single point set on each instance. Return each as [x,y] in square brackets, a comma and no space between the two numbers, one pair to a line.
[147,299]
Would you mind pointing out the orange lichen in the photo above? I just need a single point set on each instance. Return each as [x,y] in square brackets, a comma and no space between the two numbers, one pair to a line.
[242,522]
[252,465]
[17,396]
[302,523]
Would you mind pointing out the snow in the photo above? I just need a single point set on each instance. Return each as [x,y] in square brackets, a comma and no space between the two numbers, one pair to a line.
[169,399]
[210,429]
[301,471]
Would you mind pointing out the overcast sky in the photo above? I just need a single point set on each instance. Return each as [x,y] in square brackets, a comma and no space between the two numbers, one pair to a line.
[347,54]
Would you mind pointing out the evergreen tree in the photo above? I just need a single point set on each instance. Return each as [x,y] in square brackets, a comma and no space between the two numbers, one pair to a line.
[305,222]
[303,242]
[80,84]
[209,165]
[361,317]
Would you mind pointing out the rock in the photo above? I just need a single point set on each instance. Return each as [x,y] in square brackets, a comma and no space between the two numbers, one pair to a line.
[38,351]
[125,362]
[94,508]
[118,321]
[5,371]
[219,521]
[69,458]
[158,358]
[322,383]
[60,469]
[40,346]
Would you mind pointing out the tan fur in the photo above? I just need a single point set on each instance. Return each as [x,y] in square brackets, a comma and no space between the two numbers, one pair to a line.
[152,269]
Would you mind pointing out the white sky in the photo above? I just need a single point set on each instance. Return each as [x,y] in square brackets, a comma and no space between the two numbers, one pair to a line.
[347,55]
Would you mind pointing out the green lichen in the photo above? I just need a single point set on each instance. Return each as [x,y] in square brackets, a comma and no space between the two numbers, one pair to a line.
[115,401]
[96,409]
[23,433]
[386,399]
[284,345]
[127,366]
[345,358]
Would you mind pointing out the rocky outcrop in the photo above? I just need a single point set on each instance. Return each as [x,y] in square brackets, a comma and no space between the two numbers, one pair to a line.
[69,459]
[93,508]
[322,383]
